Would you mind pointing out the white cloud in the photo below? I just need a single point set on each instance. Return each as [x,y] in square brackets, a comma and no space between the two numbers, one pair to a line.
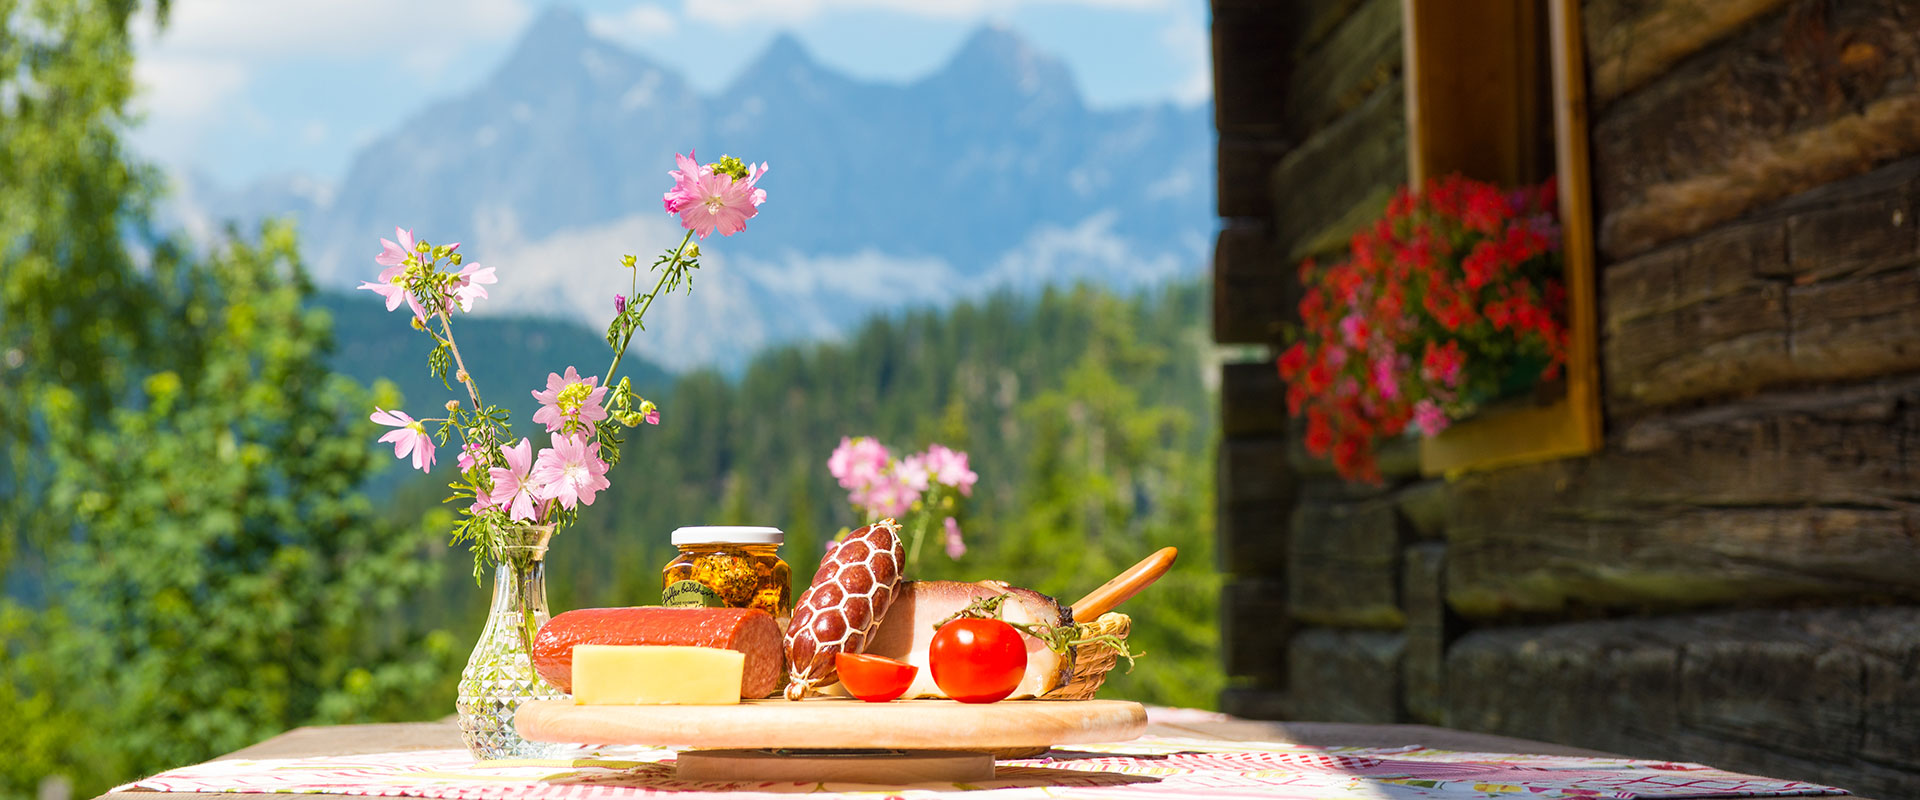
[287,29]
[1089,251]
[179,96]
[639,22]
[177,87]
[742,12]
[193,72]
[1193,48]
[573,274]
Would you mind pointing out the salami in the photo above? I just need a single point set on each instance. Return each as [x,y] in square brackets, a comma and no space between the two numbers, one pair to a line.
[748,630]
[850,593]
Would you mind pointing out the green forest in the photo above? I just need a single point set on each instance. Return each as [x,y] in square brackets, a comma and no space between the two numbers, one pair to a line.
[202,545]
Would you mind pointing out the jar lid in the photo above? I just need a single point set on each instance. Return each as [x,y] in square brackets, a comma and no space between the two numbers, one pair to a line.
[727,534]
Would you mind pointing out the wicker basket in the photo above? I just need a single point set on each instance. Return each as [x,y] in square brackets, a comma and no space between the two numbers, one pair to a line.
[1090,666]
[1091,662]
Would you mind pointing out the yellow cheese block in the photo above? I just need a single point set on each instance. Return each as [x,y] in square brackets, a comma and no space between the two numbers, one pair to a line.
[633,675]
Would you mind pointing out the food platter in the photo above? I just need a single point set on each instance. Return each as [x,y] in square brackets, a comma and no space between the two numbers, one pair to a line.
[830,739]
[849,629]
[827,723]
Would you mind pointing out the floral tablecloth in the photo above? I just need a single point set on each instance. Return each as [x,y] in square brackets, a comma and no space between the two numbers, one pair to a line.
[1143,769]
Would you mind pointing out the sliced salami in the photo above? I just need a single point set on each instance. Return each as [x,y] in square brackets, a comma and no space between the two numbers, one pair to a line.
[849,595]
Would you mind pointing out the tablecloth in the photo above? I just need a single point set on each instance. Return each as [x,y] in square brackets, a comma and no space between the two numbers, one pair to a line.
[1142,769]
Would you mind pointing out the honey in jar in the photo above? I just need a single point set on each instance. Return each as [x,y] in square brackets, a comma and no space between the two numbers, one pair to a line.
[730,567]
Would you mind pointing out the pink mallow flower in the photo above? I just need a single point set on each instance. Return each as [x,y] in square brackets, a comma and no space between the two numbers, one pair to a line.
[570,471]
[513,487]
[408,437]
[720,203]
[470,284]
[1429,417]
[857,463]
[887,498]
[392,281]
[680,196]
[570,399]
[912,472]
[469,455]
[392,285]
[955,546]
[393,254]
[950,467]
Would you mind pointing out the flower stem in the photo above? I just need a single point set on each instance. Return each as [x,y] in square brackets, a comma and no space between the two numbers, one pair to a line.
[913,551]
[473,391]
[673,264]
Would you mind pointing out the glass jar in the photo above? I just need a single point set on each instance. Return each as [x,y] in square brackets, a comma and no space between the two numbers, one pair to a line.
[730,567]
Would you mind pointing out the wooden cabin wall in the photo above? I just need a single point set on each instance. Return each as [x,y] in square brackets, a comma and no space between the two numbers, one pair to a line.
[1735,577]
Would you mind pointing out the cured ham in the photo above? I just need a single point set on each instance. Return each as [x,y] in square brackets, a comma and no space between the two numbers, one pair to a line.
[908,627]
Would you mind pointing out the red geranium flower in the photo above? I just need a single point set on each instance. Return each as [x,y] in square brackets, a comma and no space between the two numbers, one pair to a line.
[1436,308]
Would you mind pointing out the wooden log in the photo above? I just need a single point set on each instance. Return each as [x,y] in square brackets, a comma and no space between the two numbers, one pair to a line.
[1597,679]
[1256,469]
[1819,93]
[1254,629]
[1345,676]
[1303,24]
[1787,497]
[1629,42]
[1341,178]
[1786,693]
[1253,401]
[1343,563]
[1256,496]
[1249,70]
[1742,687]
[1256,702]
[1255,289]
[1423,596]
[1423,507]
[1890,719]
[1252,536]
[1242,160]
[1359,55]
[1815,289]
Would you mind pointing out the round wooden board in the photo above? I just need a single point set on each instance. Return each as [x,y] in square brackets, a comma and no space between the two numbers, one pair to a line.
[837,723]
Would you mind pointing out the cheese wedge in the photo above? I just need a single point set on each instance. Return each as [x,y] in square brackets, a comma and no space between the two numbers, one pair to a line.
[630,675]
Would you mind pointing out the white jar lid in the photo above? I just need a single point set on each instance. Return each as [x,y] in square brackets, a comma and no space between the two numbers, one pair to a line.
[727,534]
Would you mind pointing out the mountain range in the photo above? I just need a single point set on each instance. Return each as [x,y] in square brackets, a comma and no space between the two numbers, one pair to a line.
[989,172]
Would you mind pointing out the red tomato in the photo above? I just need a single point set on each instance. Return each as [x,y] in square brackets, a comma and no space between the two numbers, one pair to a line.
[875,679]
[978,660]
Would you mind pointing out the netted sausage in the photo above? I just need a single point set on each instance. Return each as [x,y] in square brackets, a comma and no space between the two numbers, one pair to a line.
[850,593]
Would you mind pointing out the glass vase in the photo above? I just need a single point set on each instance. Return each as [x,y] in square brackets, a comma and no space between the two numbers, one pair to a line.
[499,677]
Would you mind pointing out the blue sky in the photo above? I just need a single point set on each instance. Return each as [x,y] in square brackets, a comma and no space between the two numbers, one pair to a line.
[244,89]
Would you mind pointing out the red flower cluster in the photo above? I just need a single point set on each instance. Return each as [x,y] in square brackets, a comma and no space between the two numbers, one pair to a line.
[1451,298]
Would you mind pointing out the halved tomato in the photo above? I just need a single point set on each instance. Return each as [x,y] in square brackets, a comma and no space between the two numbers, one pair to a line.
[875,679]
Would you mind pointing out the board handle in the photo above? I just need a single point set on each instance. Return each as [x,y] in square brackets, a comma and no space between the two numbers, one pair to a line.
[1125,585]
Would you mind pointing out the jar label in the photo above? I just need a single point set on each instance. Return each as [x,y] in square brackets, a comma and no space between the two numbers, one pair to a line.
[691,594]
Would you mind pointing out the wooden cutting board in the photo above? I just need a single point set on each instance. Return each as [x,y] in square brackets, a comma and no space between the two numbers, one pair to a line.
[838,723]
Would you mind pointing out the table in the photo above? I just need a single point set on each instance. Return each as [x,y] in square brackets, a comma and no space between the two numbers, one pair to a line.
[444,734]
